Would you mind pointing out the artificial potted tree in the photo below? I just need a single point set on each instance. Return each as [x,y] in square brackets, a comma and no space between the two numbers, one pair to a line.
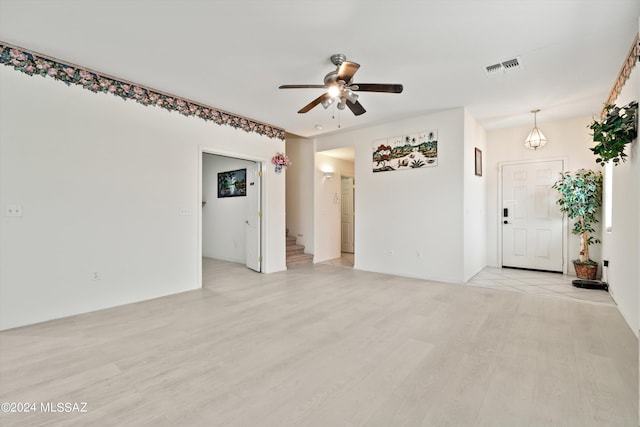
[581,198]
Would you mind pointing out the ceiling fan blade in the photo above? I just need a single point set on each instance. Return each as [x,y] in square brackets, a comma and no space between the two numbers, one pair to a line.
[315,102]
[356,108]
[346,71]
[379,87]
[302,87]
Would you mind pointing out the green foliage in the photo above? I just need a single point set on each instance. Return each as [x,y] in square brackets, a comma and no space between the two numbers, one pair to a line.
[581,198]
[417,164]
[617,129]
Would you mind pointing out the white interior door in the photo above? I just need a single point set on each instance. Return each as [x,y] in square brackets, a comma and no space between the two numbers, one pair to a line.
[254,217]
[347,188]
[531,220]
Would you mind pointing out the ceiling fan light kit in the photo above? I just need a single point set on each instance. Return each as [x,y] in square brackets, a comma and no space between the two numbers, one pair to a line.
[340,89]
[327,102]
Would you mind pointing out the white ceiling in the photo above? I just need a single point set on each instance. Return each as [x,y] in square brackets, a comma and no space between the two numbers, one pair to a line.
[234,54]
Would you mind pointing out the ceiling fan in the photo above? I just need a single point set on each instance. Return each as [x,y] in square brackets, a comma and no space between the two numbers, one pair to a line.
[341,88]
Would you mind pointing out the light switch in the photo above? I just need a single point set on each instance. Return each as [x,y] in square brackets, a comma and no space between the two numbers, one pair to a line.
[13,210]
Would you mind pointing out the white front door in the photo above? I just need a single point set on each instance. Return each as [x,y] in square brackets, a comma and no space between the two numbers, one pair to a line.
[531,219]
[347,214]
[254,217]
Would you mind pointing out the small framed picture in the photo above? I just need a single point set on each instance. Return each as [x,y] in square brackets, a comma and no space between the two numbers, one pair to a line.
[232,183]
[478,162]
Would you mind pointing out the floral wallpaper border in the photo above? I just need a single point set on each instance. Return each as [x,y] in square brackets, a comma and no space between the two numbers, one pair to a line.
[32,64]
[627,67]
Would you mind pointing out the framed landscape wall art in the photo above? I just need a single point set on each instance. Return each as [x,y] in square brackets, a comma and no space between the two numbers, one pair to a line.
[232,183]
[412,151]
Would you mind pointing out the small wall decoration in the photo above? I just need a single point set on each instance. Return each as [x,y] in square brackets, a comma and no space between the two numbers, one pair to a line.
[232,183]
[478,162]
[280,160]
[411,151]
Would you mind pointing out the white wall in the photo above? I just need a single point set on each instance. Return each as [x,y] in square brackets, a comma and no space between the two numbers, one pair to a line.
[223,227]
[300,178]
[409,222]
[621,245]
[101,182]
[475,199]
[566,139]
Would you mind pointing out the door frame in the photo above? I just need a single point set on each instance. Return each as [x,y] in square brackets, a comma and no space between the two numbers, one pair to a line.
[203,149]
[353,211]
[565,228]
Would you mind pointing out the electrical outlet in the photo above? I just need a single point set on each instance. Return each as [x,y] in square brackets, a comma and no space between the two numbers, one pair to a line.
[13,210]
[185,211]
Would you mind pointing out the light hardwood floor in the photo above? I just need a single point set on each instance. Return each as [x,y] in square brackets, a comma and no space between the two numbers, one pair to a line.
[321,345]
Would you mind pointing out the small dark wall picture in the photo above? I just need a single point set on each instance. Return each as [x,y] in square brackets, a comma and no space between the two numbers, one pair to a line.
[478,162]
[232,184]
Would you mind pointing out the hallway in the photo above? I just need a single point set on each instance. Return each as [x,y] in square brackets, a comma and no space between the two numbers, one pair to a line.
[553,285]
[540,283]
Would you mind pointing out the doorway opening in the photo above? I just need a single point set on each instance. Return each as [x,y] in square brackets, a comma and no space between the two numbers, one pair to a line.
[335,211]
[230,223]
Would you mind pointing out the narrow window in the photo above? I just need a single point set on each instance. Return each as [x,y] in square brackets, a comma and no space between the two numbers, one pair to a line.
[607,197]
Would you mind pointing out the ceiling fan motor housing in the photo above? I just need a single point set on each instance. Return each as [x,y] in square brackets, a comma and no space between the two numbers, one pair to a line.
[331,78]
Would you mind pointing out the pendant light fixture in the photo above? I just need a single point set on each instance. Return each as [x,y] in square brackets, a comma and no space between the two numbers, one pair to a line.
[535,139]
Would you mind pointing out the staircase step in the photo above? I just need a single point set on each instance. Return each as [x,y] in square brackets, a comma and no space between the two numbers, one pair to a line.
[291,240]
[299,259]
[295,249]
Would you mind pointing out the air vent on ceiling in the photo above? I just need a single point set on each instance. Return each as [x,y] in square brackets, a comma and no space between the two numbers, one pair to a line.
[493,69]
[503,67]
